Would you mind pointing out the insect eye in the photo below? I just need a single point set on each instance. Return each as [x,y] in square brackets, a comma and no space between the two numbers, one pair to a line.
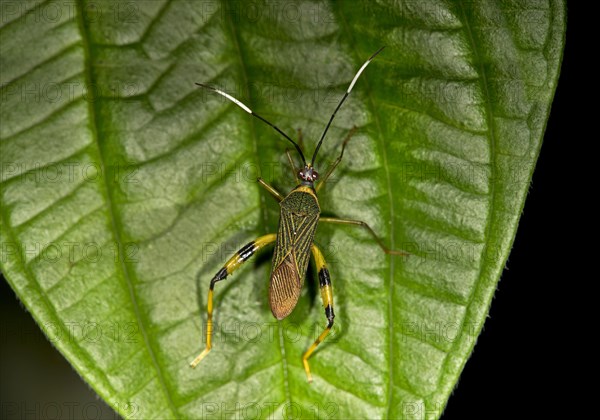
[315,175]
[301,174]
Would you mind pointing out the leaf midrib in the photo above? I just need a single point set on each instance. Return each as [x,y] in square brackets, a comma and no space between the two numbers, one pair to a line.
[390,287]
[112,210]
[244,74]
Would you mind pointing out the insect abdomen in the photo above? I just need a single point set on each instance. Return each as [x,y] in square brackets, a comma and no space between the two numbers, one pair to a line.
[285,287]
[297,225]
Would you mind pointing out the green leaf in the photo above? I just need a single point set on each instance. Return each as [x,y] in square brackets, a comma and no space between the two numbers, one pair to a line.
[125,188]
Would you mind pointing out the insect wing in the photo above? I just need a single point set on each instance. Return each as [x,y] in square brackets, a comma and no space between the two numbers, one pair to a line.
[297,226]
[284,289]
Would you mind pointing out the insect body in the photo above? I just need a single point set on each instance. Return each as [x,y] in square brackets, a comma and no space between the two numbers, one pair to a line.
[297,225]
[294,241]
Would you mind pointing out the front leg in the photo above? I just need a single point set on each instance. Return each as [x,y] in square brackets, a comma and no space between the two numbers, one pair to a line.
[278,196]
[337,161]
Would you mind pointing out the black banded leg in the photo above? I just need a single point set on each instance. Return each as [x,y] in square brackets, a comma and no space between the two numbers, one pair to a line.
[327,298]
[337,161]
[270,189]
[366,226]
[230,266]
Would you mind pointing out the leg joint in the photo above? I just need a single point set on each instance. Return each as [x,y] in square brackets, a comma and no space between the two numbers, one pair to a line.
[324,278]
[330,315]
[247,251]
[221,275]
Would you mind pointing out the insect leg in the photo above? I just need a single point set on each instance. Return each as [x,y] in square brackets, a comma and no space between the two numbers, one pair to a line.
[337,161]
[366,226]
[327,298]
[289,156]
[270,189]
[291,161]
[230,266]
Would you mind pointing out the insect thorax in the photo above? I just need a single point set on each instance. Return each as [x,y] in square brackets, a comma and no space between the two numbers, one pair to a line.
[297,225]
[301,201]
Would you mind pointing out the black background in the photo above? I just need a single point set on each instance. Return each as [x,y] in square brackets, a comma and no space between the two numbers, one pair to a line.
[520,358]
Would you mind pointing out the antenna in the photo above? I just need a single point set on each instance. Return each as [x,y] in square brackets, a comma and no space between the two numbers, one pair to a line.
[312,163]
[249,111]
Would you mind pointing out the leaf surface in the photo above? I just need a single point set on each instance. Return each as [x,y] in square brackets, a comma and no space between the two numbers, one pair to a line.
[125,188]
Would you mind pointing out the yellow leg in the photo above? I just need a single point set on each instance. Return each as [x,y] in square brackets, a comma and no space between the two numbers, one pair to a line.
[230,266]
[366,226]
[291,162]
[271,190]
[337,161]
[327,298]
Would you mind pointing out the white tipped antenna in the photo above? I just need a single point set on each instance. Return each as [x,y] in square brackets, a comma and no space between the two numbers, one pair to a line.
[342,101]
[249,111]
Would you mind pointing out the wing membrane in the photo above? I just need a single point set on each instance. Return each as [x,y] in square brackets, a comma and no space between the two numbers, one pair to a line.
[285,287]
